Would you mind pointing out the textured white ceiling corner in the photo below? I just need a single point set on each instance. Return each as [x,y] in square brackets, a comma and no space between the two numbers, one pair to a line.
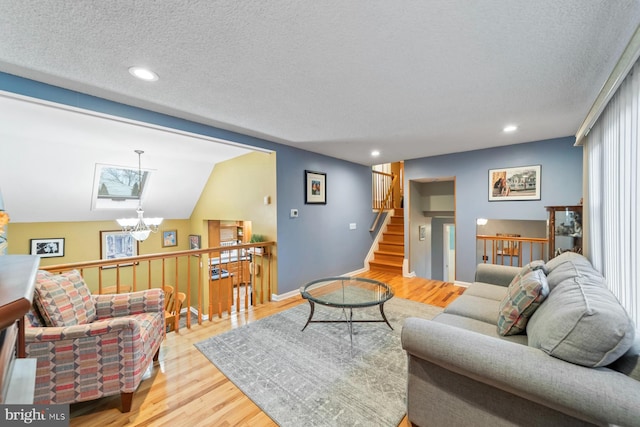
[341,78]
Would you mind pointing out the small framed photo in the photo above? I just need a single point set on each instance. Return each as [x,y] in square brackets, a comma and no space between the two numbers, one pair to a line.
[315,188]
[194,241]
[117,244]
[520,183]
[47,248]
[169,238]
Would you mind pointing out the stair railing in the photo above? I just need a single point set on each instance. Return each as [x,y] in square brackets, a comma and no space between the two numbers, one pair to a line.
[382,193]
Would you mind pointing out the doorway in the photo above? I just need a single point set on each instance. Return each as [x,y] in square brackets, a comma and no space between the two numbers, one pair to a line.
[431,206]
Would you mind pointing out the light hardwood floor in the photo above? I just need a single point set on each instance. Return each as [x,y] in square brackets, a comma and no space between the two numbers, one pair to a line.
[185,389]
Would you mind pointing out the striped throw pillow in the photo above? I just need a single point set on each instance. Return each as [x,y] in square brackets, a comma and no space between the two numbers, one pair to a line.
[64,299]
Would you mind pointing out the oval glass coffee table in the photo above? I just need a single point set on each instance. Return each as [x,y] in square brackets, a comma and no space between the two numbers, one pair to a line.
[347,293]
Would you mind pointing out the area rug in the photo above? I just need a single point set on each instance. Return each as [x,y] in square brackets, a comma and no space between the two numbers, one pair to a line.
[315,378]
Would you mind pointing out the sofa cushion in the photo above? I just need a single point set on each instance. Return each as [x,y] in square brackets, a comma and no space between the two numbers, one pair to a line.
[64,299]
[486,290]
[478,326]
[485,310]
[524,296]
[568,265]
[581,321]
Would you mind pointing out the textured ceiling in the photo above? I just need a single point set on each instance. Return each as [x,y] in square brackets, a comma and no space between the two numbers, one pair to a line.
[341,78]
[410,78]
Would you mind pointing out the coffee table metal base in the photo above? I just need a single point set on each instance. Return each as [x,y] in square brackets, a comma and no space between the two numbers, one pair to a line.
[349,319]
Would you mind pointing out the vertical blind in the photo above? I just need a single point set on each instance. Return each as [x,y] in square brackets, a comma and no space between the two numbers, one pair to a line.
[613,183]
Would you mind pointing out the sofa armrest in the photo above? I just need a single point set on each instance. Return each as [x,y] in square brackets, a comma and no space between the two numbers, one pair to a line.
[496,274]
[594,394]
[127,304]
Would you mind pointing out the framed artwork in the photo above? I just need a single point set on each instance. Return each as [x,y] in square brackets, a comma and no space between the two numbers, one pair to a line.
[520,183]
[169,238]
[117,244]
[194,241]
[47,248]
[315,184]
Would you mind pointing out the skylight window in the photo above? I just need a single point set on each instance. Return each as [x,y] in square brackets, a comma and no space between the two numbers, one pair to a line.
[117,187]
[117,183]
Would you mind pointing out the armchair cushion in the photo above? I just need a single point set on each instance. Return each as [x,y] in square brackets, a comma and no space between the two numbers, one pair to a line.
[64,299]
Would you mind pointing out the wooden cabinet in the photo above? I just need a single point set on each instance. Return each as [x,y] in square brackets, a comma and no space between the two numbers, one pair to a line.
[564,229]
[234,261]
[17,282]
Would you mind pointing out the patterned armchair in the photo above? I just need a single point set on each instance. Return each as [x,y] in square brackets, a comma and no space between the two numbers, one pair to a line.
[91,346]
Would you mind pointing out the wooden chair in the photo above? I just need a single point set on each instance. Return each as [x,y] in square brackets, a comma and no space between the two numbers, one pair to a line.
[507,248]
[172,311]
[168,297]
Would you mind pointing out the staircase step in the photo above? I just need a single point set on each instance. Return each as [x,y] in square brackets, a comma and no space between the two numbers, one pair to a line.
[389,266]
[395,228]
[394,237]
[391,247]
[396,220]
[388,256]
[395,248]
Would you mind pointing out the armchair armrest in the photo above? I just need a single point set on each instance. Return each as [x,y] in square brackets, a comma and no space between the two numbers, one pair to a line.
[100,327]
[600,394]
[118,305]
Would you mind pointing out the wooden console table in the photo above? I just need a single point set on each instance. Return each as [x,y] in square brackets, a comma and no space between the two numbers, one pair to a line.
[17,282]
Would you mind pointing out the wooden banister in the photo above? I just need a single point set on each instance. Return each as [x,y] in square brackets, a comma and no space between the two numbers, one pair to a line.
[387,201]
[515,248]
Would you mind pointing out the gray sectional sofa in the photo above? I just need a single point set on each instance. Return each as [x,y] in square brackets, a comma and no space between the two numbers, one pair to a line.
[576,362]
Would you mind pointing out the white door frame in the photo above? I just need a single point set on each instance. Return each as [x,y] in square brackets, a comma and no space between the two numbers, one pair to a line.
[448,255]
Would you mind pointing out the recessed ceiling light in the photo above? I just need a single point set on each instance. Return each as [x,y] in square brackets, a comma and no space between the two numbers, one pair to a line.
[143,74]
[510,128]
[375,153]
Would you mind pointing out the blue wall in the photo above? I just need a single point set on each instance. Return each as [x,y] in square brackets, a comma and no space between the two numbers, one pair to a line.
[319,242]
[561,176]
[316,244]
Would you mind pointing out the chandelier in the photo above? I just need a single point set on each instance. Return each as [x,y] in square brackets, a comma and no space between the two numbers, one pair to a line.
[139,227]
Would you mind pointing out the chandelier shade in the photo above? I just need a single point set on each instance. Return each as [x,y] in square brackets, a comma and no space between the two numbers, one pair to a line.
[140,228]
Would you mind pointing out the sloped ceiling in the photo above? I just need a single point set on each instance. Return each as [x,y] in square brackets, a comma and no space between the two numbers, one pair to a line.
[341,78]
[49,156]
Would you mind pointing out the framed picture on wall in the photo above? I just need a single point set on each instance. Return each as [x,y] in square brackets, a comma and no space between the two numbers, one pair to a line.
[315,184]
[194,241]
[47,248]
[519,183]
[169,238]
[117,244]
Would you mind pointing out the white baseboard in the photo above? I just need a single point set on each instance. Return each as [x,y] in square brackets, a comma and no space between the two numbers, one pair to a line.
[296,292]
[460,283]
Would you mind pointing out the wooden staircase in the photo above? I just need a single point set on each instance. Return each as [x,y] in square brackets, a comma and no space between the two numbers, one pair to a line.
[390,254]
